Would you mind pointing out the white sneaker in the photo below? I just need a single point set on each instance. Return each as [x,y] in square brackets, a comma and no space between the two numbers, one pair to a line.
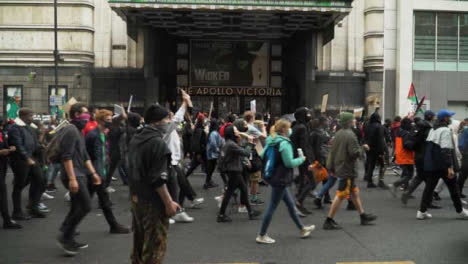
[67,197]
[196,202]
[183,217]
[114,178]
[171,221]
[219,200]
[421,216]
[264,239]
[242,210]
[464,202]
[463,214]
[110,190]
[46,196]
[305,232]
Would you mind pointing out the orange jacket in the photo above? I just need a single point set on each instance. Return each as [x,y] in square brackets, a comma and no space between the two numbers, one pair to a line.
[403,156]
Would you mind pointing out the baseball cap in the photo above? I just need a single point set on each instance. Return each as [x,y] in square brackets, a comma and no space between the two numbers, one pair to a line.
[428,115]
[444,113]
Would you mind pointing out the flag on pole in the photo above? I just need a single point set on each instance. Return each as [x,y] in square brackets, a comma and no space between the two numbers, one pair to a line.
[412,95]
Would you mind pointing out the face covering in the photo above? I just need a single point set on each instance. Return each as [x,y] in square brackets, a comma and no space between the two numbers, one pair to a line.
[163,128]
[81,121]
[107,125]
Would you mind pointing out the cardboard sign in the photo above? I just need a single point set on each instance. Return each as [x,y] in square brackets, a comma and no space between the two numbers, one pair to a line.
[324,103]
[70,102]
[253,106]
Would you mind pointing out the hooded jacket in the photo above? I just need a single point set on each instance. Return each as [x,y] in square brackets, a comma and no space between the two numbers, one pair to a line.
[319,139]
[300,134]
[344,152]
[419,137]
[283,174]
[149,164]
[440,149]
[375,135]
[22,137]
[404,155]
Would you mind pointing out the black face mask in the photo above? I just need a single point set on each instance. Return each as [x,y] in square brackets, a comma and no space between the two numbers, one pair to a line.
[107,125]
[80,124]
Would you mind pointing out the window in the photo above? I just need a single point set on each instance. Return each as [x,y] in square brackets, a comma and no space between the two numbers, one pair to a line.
[440,41]
[463,64]
[447,41]
[12,100]
[57,100]
[424,40]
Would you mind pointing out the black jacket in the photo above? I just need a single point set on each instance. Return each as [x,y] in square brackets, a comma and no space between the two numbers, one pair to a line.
[149,165]
[23,138]
[72,147]
[319,139]
[375,135]
[419,136]
[94,146]
[300,135]
[198,141]
[234,154]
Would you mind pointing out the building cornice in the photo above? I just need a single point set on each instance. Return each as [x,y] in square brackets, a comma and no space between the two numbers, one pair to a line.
[49,2]
[46,28]
[370,10]
[45,58]
[374,34]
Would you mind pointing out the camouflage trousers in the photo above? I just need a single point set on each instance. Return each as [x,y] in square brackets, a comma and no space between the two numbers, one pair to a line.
[150,227]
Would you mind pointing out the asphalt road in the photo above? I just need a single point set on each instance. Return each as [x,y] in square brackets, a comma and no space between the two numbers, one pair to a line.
[397,235]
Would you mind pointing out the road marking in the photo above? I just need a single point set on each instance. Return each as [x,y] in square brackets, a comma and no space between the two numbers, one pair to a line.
[391,262]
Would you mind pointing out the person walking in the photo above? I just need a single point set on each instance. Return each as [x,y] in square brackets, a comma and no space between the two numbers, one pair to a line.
[152,205]
[76,166]
[198,147]
[419,136]
[281,179]
[440,162]
[300,139]
[234,169]
[463,147]
[344,152]
[375,139]
[5,151]
[404,153]
[97,147]
[212,152]
[26,168]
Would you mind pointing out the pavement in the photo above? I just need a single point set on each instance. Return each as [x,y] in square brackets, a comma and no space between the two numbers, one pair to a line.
[397,237]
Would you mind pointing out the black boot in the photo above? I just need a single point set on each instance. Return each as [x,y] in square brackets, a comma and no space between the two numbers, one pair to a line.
[301,208]
[10,224]
[370,184]
[119,229]
[318,203]
[223,219]
[253,215]
[351,206]
[330,224]
[366,219]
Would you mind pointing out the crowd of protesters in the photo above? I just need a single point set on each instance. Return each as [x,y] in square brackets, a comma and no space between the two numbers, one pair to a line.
[300,157]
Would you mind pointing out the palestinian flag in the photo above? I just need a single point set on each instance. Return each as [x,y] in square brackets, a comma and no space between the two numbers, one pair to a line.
[414,100]
[412,95]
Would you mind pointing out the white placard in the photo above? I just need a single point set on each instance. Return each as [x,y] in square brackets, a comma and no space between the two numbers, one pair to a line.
[253,106]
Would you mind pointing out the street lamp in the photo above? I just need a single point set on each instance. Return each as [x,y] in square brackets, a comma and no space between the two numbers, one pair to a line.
[56,55]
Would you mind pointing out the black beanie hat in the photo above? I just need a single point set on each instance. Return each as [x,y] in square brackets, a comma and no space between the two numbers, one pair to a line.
[155,113]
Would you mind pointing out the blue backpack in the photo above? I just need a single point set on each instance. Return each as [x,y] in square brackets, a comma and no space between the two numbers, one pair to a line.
[271,158]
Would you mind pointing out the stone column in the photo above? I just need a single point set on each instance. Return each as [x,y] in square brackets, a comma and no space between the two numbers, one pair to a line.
[374,52]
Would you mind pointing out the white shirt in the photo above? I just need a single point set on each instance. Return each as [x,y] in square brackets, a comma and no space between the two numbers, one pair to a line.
[172,139]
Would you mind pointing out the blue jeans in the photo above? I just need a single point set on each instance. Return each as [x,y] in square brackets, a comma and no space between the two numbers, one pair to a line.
[52,172]
[327,186]
[278,194]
